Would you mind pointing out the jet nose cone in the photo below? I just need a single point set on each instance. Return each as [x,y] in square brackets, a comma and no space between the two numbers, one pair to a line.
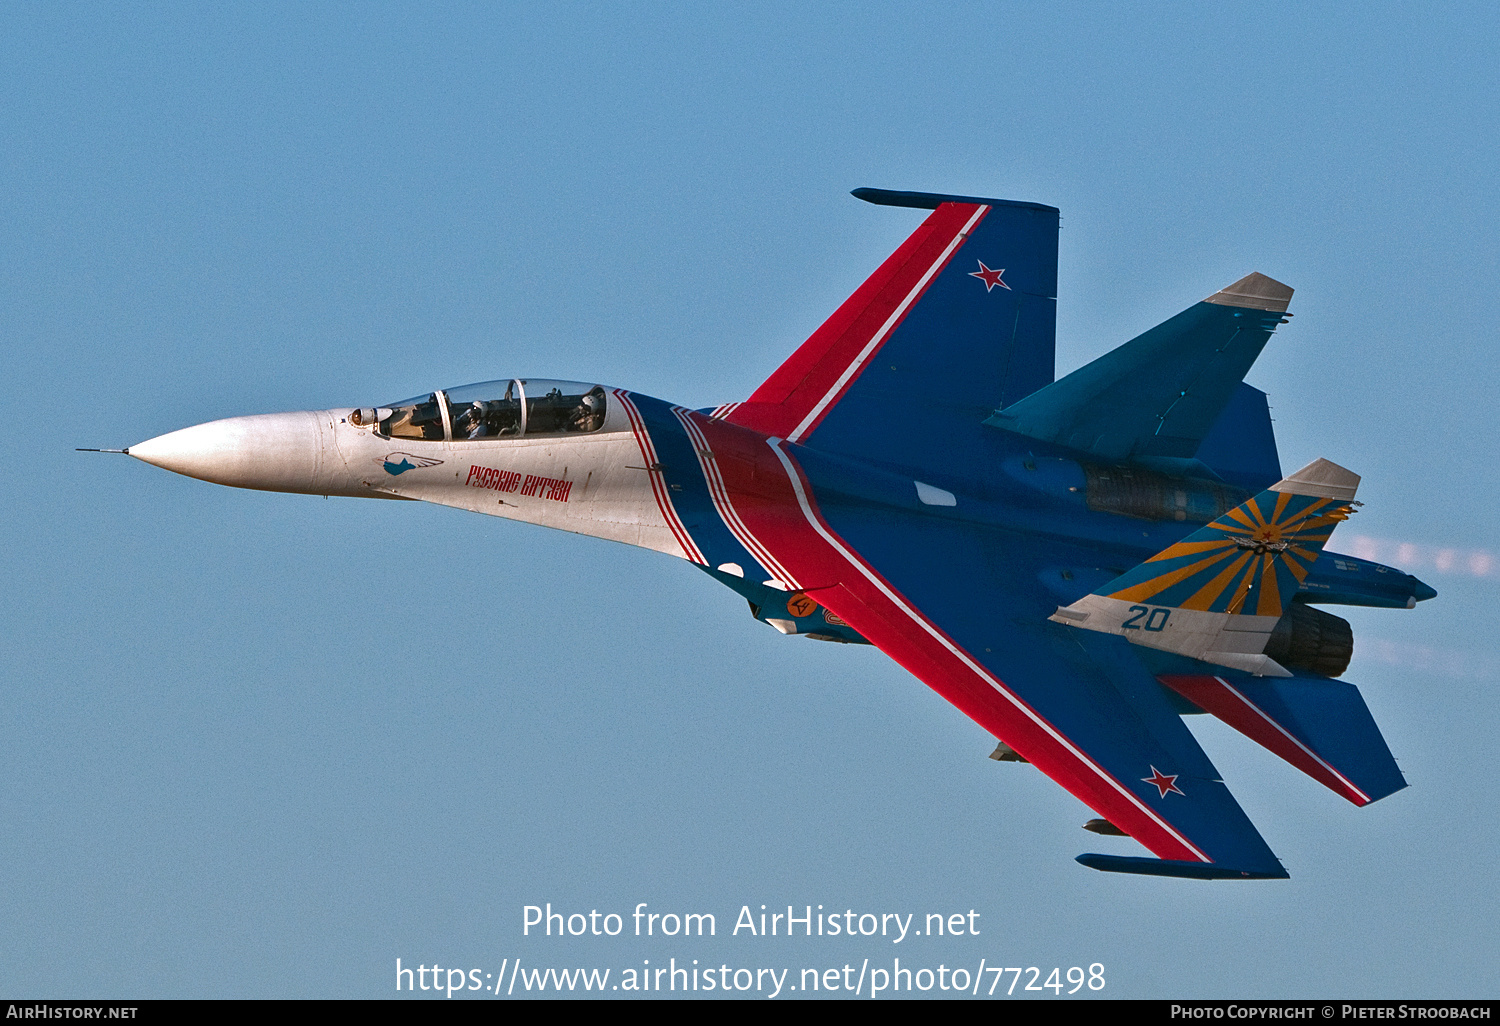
[1422,591]
[280,452]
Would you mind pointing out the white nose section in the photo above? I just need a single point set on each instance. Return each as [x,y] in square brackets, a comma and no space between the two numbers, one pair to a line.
[277,452]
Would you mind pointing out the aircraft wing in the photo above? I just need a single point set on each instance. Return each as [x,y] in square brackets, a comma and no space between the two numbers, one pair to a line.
[958,322]
[964,607]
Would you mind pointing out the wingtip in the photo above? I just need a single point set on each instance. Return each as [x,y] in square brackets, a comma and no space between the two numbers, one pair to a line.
[1137,866]
[1255,291]
[933,200]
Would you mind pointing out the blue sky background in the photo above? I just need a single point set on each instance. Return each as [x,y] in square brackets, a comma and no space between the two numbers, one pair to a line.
[262,745]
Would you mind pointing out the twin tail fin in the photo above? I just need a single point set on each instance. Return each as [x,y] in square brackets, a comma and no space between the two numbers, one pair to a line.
[1218,594]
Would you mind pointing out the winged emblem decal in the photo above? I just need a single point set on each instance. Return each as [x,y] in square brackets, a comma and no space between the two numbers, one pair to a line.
[398,463]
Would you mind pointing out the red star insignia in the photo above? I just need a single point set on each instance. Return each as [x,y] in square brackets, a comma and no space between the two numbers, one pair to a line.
[1164,781]
[989,277]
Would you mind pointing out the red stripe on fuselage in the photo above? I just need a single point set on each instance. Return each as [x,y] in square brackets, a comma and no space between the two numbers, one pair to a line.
[658,483]
[709,463]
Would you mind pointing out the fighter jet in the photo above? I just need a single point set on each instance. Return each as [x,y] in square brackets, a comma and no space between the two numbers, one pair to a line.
[1074,563]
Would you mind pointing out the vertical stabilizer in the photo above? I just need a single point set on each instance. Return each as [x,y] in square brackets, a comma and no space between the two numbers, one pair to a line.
[1255,291]
[1160,394]
[1218,594]
[1241,446]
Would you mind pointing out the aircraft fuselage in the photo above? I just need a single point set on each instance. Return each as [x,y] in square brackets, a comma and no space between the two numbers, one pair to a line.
[665,478]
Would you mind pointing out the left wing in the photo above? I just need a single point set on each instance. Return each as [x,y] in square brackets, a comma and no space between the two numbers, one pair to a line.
[959,321]
[941,596]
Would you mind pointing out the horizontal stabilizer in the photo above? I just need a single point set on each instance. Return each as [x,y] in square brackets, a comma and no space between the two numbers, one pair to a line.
[1160,394]
[1175,867]
[1322,727]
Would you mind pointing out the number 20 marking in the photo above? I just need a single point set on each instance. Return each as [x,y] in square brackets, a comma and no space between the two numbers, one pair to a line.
[1156,618]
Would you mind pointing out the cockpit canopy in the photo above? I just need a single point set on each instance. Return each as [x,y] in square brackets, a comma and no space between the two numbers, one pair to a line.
[508,408]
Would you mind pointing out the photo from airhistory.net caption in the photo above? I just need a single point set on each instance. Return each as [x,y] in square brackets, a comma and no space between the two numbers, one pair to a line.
[869,954]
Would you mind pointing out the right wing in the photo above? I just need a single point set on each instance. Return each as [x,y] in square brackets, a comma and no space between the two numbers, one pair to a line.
[1078,706]
[965,608]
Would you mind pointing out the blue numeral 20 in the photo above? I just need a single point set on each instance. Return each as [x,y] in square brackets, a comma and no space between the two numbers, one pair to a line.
[1156,618]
